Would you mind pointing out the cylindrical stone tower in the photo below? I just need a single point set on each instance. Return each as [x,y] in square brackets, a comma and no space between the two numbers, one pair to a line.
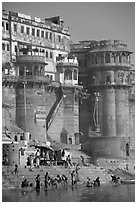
[33,100]
[109,67]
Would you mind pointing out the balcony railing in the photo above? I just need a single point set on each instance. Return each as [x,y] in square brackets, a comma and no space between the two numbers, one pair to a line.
[10,78]
[30,59]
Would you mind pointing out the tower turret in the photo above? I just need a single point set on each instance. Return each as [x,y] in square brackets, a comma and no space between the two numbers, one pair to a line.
[65,126]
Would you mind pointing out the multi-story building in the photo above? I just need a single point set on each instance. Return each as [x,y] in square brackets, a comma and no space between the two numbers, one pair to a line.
[36,53]
[107,74]
[24,37]
[30,50]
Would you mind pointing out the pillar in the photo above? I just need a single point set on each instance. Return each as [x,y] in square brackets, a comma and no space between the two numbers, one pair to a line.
[120,112]
[109,119]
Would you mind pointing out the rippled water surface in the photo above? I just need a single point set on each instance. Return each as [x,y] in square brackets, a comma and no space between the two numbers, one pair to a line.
[105,193]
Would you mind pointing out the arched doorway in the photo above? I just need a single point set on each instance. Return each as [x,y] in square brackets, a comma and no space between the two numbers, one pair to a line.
[64,136]
[70,140]
[68,74]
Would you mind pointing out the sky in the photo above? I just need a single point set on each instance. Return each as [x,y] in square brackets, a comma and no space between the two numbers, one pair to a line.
[87,20]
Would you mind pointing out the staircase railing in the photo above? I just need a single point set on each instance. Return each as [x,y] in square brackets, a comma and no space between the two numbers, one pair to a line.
[52,112]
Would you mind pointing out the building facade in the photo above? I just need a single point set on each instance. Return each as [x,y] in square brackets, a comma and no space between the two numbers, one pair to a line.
[107,74]
[31,48]
[25,37]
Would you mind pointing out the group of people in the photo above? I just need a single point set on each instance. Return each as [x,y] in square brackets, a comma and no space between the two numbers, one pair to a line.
[54,182]
[115,179]
[34,160]
[94,183]
[63,180]
[49,181]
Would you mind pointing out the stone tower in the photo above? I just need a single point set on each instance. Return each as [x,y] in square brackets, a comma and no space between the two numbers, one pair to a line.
[33,101]
[65,125]
[107,117]
[109,85]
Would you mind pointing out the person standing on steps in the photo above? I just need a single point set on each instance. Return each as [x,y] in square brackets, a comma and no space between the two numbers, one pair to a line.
[76,170]
[16,169]
[46,180]
[37,179]
[37,158]
[68,159]
[97,182]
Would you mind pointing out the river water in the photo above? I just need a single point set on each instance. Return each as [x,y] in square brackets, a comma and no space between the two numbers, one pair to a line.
[104,193]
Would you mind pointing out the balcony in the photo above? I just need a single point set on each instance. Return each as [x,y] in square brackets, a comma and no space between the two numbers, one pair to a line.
[10,78]
[109,66]
[30,59]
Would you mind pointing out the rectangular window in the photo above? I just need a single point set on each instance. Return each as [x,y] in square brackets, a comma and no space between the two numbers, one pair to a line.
[59,38]
[47,54]
[8,47]
[28,30]
[15,48]
[3,24]
[50,54]
[42,33]
[46,35]
[37,33]
[15,27]
[33,31]
[50,37]
[7,26]
[22,29]
[3,46]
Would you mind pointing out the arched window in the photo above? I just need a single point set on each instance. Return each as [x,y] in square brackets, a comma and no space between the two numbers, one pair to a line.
[96,59]
[108,79]
[113,58]
[127,58]
[21,137]
[123,58]
[75,74]
[107,58]
[102,58]
[68,74]
[120,77]
[119,58]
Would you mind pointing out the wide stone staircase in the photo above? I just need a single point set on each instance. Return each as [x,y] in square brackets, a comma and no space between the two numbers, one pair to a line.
[102,167]
[14,180]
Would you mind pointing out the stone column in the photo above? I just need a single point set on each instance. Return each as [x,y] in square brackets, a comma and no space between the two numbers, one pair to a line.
[25,71]
[72,76]
[112,77]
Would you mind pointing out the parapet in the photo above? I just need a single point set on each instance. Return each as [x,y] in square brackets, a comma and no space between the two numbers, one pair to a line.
[109,45]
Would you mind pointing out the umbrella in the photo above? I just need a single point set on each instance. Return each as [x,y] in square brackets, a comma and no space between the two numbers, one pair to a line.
[44,145]
[36,143]
[58,146]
